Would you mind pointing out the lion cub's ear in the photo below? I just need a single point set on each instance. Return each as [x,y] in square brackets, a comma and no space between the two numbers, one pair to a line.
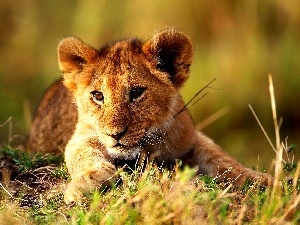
[173,53]
[73,56]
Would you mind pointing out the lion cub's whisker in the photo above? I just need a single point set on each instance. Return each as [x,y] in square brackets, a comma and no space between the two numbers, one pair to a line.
[190,103]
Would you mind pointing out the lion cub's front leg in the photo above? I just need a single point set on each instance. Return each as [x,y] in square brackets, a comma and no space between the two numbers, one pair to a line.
[89,168]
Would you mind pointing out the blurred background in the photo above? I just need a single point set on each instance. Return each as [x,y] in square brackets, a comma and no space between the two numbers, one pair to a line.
[237,42]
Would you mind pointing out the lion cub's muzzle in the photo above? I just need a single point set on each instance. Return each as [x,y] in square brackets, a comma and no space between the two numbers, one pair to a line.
[125,144]
[126,138]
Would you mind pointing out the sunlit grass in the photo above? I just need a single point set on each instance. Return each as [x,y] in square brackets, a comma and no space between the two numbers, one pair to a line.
[158,196]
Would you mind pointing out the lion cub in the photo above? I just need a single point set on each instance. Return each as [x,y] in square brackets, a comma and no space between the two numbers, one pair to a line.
[119,102]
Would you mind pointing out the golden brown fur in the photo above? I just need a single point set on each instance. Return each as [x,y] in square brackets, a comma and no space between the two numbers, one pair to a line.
[54,122]
[127,96]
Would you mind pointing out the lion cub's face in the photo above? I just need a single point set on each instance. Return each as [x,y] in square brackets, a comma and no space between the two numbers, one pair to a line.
[126,88]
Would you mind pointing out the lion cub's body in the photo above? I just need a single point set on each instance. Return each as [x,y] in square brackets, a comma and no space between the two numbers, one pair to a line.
[127,103]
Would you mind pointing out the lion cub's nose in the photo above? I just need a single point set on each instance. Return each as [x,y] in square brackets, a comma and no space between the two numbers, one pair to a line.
[118,136]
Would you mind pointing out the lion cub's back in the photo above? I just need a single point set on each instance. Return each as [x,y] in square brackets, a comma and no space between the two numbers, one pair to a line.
[54,121]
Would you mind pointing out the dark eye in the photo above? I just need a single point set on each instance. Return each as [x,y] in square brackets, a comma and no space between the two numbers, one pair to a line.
[97,96]
[135,93]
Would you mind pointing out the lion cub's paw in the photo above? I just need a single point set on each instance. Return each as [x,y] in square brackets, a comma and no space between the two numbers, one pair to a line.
[72,194]
[102,174]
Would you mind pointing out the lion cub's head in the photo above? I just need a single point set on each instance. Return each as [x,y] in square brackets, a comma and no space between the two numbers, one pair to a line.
[127,88]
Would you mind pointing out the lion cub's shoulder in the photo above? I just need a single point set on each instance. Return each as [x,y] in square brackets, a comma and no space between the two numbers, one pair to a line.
[54,121]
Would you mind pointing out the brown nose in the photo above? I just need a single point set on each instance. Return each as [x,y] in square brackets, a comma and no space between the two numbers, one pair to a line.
[118,136]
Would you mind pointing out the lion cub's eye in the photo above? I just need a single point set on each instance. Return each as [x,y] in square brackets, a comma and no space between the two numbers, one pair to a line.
[135,93]
[97,96]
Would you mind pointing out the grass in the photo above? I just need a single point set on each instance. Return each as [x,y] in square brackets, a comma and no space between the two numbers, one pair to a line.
[32,193]
[26,162]
[155,196]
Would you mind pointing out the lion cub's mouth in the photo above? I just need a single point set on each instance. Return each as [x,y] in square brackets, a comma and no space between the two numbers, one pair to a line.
[120,151]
